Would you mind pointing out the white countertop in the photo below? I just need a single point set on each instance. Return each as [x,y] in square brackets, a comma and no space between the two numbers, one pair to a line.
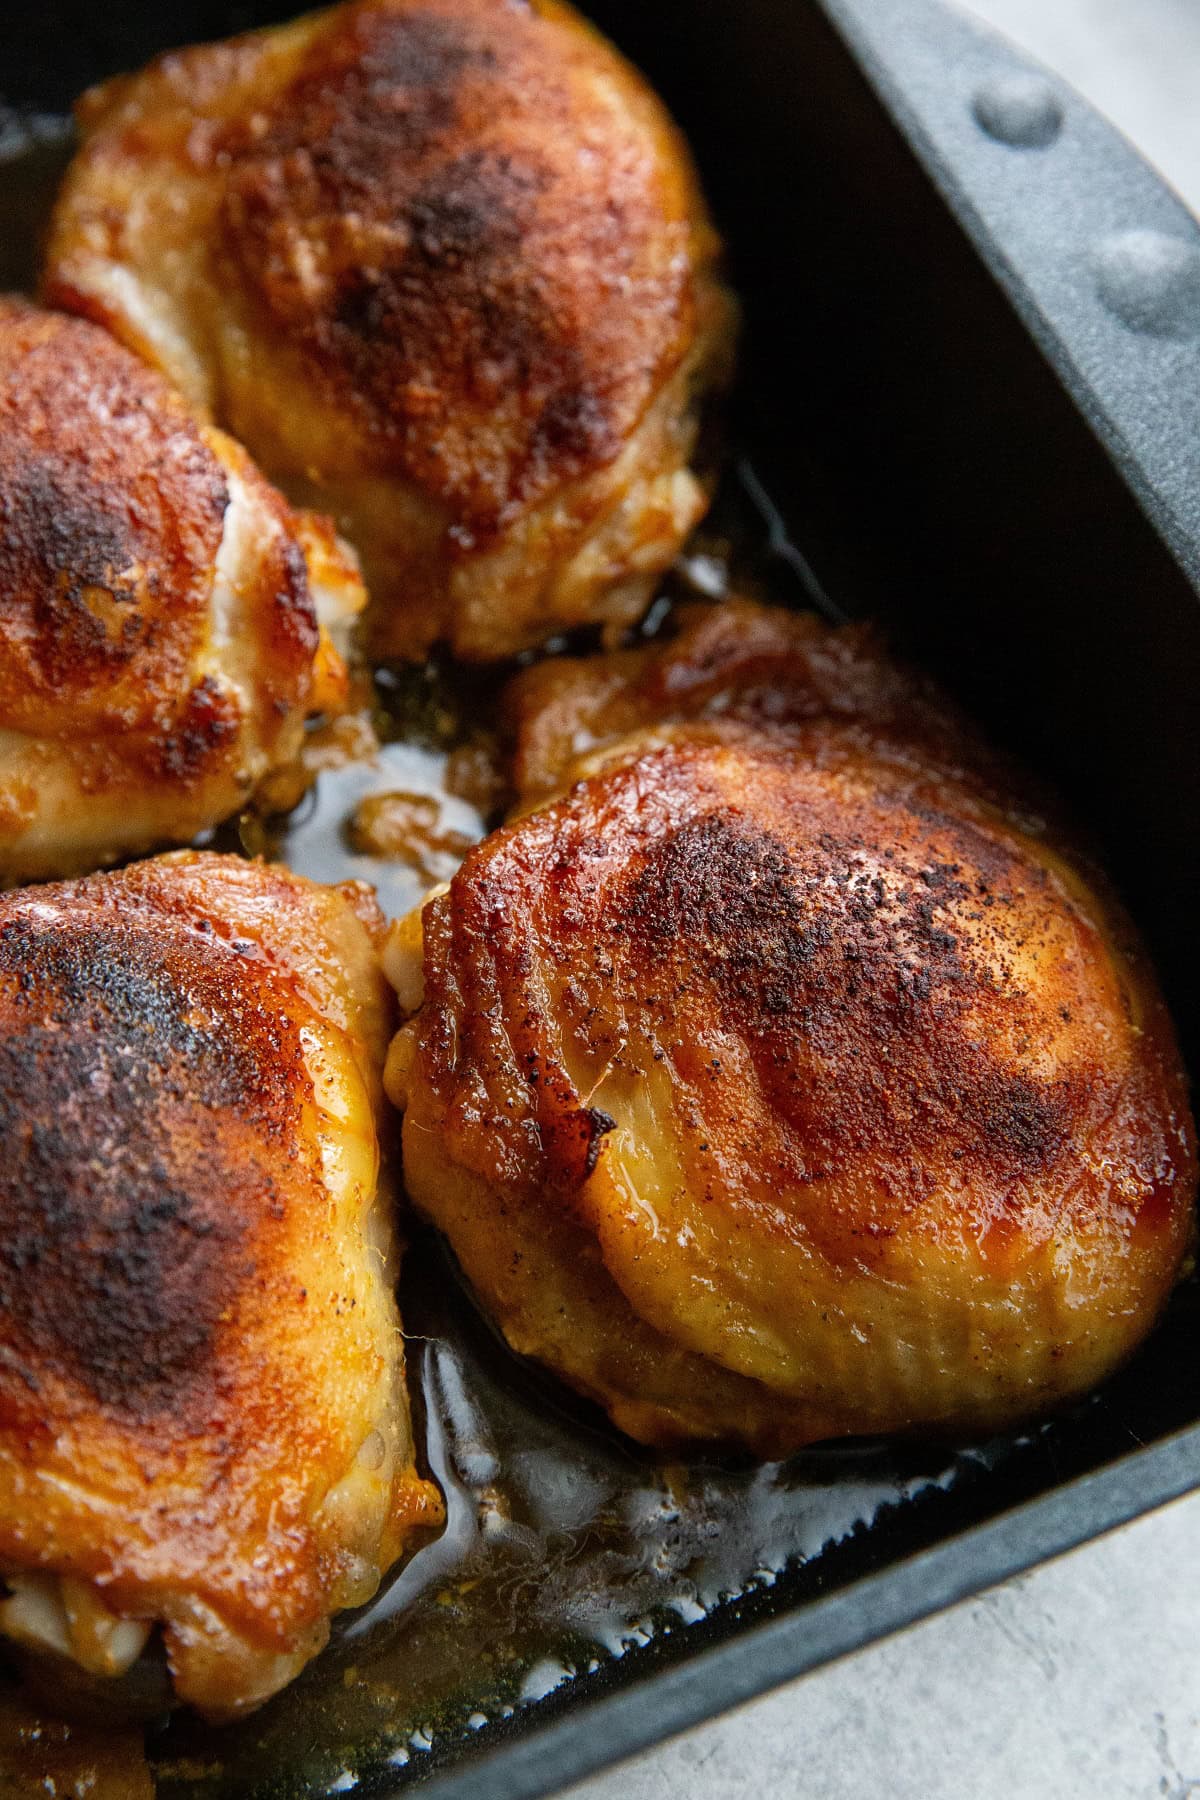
[1080,1681]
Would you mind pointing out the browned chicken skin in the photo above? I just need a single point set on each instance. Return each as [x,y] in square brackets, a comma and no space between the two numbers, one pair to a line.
[443,265]
[203,1421]
[159,641]
[773,1080]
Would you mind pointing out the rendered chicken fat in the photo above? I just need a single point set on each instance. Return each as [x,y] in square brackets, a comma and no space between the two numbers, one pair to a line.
[203,1420]
[442,265]
[159,635]
[772,1082]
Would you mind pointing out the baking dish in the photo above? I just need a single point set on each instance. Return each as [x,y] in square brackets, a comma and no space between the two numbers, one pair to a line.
[971,389]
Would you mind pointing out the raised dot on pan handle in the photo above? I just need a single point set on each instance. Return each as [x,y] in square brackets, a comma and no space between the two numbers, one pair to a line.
[1020,110]
[1150,281]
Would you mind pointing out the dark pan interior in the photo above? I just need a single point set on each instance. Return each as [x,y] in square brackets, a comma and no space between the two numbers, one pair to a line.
[933,468]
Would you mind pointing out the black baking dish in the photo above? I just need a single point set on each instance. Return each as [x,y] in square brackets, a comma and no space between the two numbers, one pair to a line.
[971,385]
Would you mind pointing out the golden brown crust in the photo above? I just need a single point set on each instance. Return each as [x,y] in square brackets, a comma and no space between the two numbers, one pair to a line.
[741,662]
[113,509]
[442,262]
[494,300]
[826,1075]
[196,1336]
[158,631]
[141,1080]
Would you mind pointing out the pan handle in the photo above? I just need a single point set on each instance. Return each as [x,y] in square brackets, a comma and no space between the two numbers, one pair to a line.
[1100,258]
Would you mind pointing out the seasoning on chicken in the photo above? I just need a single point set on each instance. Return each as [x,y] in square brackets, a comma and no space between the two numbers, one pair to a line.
[160,643]
[204,1429]
[776,1078]
[444,267]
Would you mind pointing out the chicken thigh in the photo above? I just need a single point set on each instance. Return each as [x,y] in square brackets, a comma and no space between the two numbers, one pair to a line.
[444,267]
[777,1080]
[204,1428]
[159,639]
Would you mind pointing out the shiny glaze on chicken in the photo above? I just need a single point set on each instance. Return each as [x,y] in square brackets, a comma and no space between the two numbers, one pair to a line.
[774,1081]
[442,265]
[203,1420]
[159,639]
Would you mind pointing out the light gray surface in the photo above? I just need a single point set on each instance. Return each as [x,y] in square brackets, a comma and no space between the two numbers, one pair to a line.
[1137,60]
[1080,1681]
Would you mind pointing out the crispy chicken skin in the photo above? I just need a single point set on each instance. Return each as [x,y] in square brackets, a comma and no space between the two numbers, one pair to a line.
[203,1419]
[773,1081]
[443,266]
[159,644]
